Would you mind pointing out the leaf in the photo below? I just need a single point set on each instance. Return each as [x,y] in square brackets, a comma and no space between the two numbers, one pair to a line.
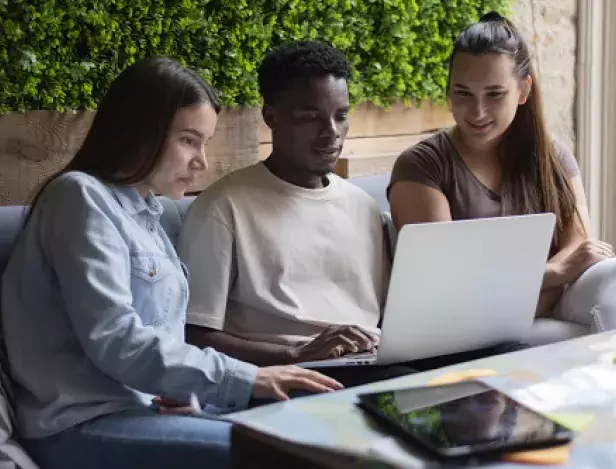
[399,49]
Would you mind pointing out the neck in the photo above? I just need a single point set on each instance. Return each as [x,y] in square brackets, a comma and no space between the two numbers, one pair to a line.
[486,152]
[279,167]
[143,189]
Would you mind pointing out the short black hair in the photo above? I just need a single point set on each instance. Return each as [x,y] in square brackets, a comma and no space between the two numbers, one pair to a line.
[299,60]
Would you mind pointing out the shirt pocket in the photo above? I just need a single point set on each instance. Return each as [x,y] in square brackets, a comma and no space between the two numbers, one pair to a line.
[153,285]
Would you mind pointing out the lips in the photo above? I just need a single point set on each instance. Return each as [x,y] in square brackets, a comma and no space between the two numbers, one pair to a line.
[481,127]
[328,152]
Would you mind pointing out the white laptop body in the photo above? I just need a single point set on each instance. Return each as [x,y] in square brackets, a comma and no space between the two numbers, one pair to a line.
[459,286]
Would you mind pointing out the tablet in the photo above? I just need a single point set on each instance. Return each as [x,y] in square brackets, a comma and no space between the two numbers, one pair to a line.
[462,420]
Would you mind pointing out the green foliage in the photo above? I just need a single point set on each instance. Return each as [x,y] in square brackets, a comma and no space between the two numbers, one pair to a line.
[63,54]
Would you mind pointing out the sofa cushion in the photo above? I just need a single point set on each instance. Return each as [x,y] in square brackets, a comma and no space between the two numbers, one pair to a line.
[11,219]
[376,186]
[173,215]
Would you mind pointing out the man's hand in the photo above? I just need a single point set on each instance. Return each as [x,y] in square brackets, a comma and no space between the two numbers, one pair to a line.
[334,342]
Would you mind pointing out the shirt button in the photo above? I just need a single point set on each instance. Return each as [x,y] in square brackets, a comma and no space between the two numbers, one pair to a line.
[152,273]
[152,227]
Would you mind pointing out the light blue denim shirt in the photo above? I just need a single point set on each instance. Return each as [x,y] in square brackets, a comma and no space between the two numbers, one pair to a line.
[93,308]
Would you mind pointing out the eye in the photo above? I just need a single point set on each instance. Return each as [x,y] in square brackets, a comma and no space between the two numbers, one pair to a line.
[343,116]
[463,93]
[189,141]
[496,94]
[308,116]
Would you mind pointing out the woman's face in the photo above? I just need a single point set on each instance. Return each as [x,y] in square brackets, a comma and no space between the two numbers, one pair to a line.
[484,96]
[184,156]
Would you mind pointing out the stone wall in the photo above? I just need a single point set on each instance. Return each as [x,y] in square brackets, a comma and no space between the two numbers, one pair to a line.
[549,26]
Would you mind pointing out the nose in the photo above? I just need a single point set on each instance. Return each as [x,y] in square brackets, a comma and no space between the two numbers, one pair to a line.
[199,162]
[478,110]
[330,129]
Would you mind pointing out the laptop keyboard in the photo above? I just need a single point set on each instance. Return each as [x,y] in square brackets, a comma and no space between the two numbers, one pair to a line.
[363,358]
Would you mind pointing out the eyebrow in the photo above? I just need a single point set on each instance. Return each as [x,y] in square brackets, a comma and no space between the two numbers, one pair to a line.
[312,108]
[195,132]
[490,87]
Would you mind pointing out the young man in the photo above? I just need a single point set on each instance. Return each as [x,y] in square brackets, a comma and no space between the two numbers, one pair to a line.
[287,260]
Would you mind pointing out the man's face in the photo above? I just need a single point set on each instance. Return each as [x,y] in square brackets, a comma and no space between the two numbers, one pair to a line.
[309,123]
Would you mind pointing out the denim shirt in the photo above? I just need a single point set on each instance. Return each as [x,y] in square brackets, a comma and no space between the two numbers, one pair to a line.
[93,309]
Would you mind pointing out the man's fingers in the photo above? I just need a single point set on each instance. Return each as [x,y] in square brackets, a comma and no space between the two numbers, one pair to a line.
[371,337]
[345,343]
[363,338]
[351,337]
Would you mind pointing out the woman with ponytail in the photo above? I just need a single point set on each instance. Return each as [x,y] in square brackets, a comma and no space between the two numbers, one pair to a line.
[499,160]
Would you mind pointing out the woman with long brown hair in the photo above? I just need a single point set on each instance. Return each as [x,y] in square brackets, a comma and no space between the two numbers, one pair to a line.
[94,296]
[499,160]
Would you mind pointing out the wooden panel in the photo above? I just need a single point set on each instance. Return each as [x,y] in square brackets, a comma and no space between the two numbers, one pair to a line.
[234,145]
[369,121]
[379,162]
[33,146]
[358,147]
[36,144]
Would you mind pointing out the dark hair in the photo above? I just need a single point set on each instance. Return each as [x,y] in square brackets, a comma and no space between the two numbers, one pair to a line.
[126,139]
[299,60]
[534,178]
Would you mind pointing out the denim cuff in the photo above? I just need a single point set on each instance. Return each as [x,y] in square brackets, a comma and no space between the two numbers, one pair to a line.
[236,388]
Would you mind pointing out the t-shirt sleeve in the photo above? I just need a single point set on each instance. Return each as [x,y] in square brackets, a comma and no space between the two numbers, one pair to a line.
[567,159]
[206,246]
[420,163]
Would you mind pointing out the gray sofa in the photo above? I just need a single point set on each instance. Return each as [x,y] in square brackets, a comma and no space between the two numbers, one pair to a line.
[544,331]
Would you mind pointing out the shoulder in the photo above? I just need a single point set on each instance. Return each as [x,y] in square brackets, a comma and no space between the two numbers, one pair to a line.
[436,147]
[76,189]
[359,194]
[75,207]
[216,201]
[230,185]
[425,162]
[566,157]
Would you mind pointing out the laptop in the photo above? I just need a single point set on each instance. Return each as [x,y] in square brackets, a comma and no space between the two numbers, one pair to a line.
[459,286]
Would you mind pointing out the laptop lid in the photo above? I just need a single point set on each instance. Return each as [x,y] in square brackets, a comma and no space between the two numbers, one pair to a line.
[463,285]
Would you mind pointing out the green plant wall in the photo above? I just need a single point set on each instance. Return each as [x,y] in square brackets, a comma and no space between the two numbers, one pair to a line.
[63,54]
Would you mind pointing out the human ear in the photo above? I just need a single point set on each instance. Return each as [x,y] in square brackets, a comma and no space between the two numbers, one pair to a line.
[269,116]
[526,86]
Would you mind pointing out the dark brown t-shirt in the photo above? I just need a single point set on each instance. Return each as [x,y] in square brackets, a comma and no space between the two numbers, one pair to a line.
[435,162]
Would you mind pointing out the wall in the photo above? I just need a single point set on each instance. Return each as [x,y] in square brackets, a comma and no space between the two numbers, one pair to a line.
[549,26]
[34,145]
[376,137]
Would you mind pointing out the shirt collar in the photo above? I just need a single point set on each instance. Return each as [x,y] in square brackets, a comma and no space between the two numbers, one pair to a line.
[132,202]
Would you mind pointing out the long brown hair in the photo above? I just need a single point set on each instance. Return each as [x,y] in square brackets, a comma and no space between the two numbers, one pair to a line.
[534,177]
[125,142]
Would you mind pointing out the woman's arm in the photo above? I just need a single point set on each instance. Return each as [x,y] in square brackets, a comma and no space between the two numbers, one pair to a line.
[557,272]
[91,262]
[413,202]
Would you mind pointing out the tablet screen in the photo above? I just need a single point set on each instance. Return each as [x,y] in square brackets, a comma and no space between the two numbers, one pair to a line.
[466,415]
